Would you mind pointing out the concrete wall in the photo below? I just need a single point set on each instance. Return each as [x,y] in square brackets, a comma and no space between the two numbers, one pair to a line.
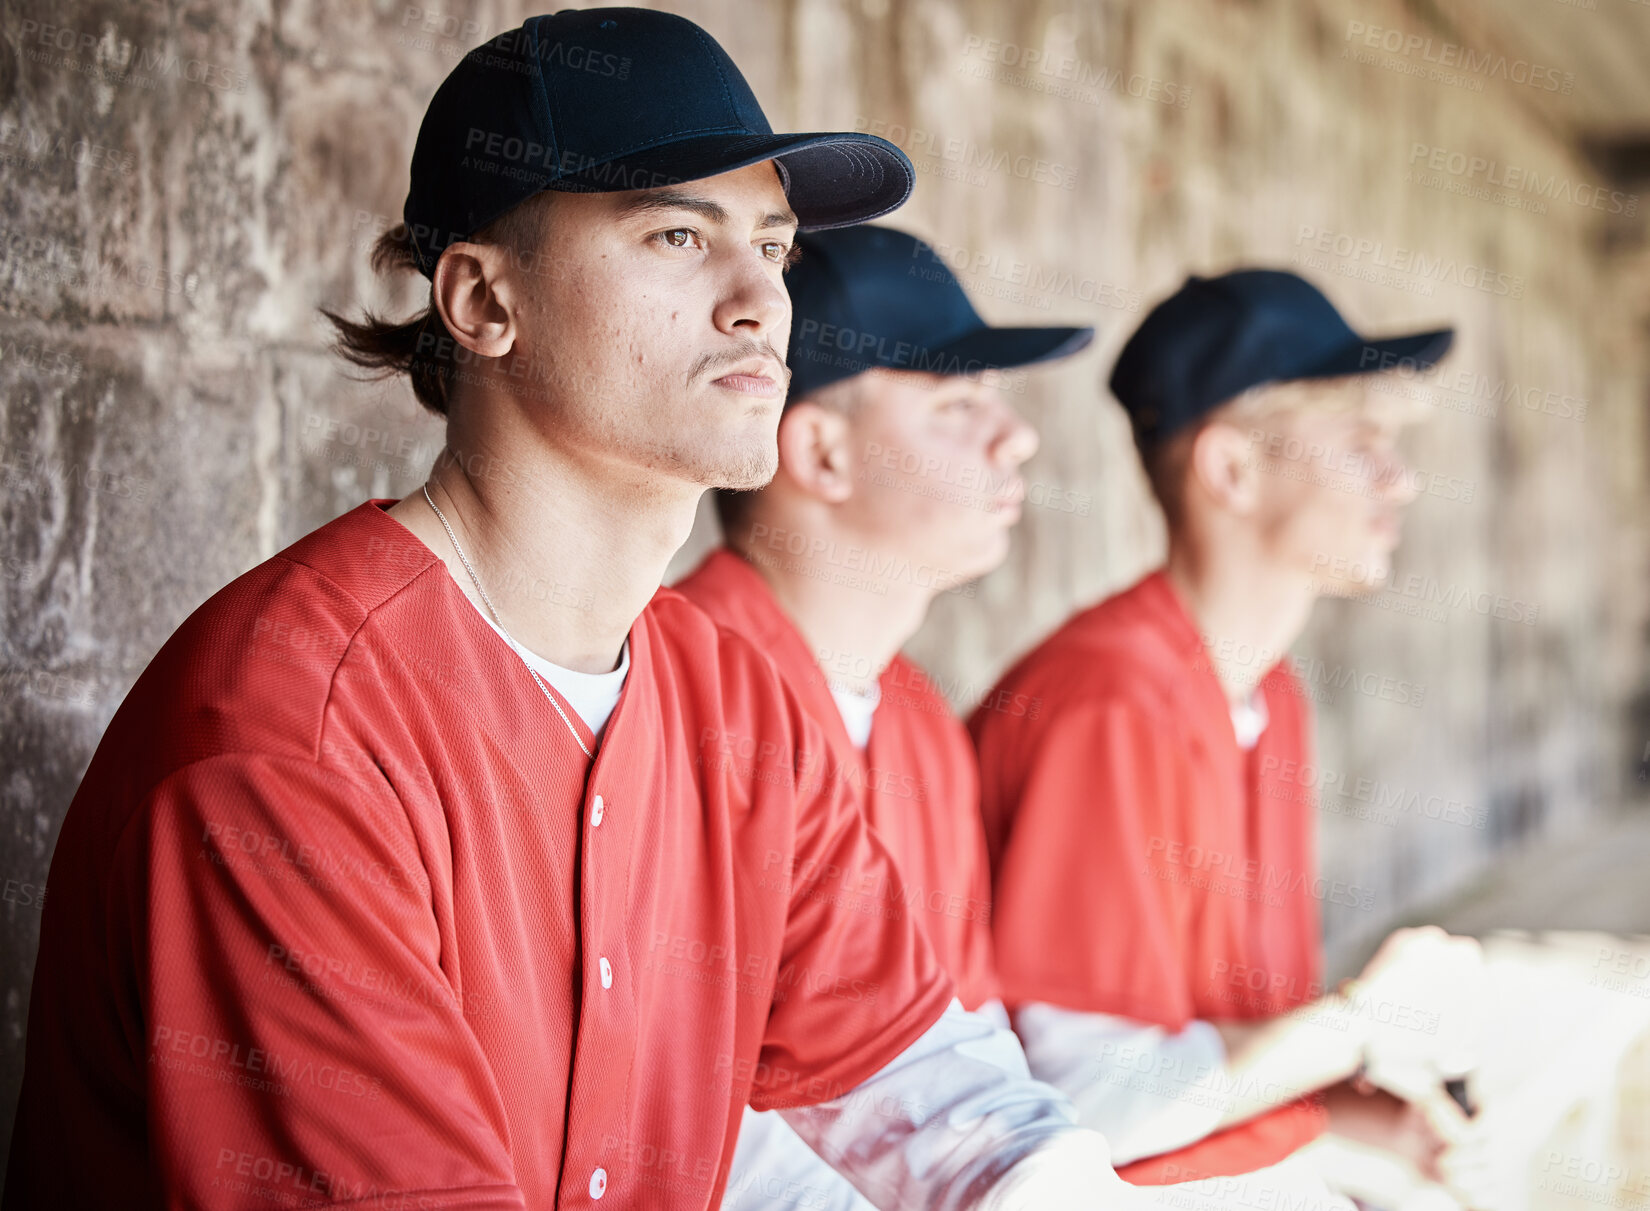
[183,184]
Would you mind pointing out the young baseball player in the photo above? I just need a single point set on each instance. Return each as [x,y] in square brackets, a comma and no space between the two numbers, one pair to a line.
[442,860]
[894,484]
[1152,837]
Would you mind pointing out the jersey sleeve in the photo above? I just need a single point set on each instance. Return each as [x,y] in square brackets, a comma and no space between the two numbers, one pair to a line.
[857,981]
[302,1038]
[974,967]
[1090,908]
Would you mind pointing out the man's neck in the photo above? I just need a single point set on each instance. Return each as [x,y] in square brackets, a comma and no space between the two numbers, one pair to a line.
[1247,610]
[568,554]
[853,629]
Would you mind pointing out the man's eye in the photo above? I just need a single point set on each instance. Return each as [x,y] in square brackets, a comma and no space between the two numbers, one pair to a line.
[678,237]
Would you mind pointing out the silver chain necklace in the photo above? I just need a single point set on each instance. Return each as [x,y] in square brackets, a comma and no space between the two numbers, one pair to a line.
[476,580]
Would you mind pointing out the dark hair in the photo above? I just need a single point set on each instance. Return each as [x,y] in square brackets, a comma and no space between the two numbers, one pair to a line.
[421,347]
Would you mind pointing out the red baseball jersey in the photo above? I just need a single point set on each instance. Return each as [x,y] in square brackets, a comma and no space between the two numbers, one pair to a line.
[917,778]
[1143,864]
[341,913]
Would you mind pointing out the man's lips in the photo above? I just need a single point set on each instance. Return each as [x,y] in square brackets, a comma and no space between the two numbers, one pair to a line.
[1386,535]
[751,378]
[1005,505]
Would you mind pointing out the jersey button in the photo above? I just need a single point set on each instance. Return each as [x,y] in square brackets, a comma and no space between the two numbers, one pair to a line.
[598,1183]
[597,811]
[607,973]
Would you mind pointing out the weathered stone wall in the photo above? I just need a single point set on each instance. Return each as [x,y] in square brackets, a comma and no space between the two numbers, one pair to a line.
[183,184]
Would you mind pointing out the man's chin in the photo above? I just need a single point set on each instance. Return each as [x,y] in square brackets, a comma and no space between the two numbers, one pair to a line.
[1365,582]
[983,556]
[755,469]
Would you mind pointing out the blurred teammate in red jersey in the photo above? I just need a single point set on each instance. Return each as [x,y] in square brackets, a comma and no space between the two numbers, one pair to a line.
[895,484]
[1152,828]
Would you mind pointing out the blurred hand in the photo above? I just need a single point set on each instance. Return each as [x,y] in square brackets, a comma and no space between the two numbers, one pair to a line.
[1366,1115]
[1398,944]
[1486,1166]
[1452,1163]
[1425,997]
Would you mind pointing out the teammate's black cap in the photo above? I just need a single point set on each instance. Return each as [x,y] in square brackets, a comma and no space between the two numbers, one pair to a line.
[605,99]
[872,296]
[1217,337]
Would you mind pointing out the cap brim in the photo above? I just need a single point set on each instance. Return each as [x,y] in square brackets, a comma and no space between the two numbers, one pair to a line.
[1005,348]
[984,348]
[1412,353]
[830,179]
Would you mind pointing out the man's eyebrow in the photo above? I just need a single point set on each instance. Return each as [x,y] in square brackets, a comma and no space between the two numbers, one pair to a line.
[654,200]
[674,199]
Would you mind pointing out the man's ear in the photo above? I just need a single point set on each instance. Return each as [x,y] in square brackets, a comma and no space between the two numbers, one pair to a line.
[1224,467]
[474,298]
[814,451]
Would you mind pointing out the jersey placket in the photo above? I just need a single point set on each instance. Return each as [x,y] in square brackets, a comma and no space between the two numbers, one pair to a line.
[594,1163]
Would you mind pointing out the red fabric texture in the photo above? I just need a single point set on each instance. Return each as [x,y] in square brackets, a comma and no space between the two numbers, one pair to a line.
[331,907]
[1143,864]
[917,778]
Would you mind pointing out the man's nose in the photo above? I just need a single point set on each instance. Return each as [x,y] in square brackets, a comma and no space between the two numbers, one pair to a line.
[1016,441]
[753,302]
[1394,479]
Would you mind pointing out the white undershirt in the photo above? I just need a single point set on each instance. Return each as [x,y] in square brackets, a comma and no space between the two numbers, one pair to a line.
[1249,720]
[858,712]
[1146,1089]
[954,1121]
[592,695]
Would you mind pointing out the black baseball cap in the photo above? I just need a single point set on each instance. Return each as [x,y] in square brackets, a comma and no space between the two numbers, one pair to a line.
[607,99]
[1217,337]
[873,296]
